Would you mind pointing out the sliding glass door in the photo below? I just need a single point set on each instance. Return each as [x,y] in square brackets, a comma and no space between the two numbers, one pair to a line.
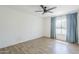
[61,28]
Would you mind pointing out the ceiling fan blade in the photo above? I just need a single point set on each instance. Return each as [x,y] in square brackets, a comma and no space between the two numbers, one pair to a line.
[42,6]
[50,11]
[43,12]
[38,11]
[51,8]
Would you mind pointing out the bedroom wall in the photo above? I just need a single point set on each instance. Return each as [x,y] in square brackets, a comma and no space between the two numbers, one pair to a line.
[16,27]
[47,26]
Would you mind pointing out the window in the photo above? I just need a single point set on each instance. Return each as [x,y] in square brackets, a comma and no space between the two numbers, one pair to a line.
[61,25]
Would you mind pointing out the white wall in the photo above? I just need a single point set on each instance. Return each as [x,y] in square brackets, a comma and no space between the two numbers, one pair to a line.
[16,27]
[47,26]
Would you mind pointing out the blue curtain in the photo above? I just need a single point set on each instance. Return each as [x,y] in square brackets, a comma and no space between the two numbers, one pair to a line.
[53,27]
[72,28]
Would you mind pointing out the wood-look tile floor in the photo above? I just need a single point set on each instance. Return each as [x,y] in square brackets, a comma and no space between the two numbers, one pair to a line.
[41,46]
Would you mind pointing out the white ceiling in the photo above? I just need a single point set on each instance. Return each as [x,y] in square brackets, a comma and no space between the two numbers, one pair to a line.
[60,10]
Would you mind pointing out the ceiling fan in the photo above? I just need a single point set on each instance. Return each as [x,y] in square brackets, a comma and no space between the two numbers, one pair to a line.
[45,10]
